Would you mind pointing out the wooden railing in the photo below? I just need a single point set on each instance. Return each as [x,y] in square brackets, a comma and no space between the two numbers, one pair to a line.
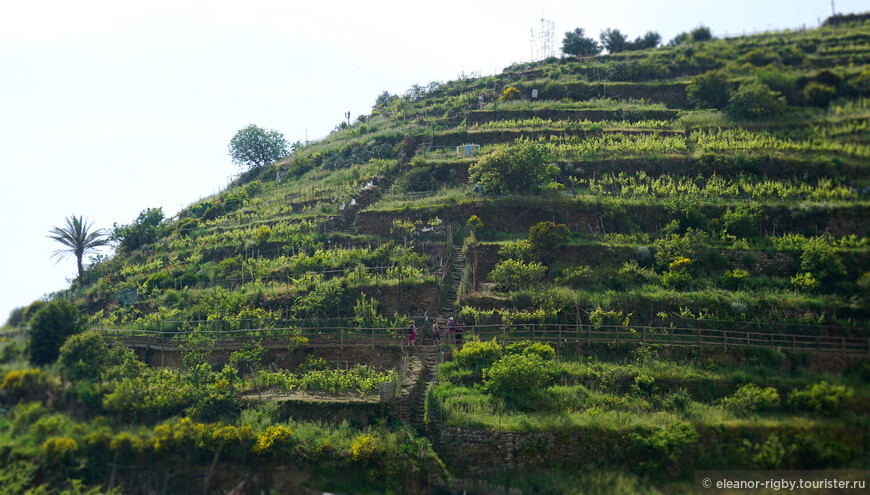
[554,334]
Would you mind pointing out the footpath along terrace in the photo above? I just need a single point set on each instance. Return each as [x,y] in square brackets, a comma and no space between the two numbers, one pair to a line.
[809,339]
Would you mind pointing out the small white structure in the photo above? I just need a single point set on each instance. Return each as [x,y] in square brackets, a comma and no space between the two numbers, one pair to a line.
[467,149]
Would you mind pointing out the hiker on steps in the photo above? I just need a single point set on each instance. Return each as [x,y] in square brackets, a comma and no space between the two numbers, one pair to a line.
[436,333]
[412,333]
[451,331]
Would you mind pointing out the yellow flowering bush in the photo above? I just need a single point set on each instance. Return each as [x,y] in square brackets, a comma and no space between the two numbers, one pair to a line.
[362,448]
[59,449]
[271,439]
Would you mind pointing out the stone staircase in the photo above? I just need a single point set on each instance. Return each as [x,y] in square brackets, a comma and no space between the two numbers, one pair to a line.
[344,220]
[454,279]
[367,195]
[421,373]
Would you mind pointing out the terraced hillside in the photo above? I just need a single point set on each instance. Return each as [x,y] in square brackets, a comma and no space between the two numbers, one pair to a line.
[669,246]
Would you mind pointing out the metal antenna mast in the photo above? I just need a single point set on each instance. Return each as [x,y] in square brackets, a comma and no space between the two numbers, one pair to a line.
[542,45]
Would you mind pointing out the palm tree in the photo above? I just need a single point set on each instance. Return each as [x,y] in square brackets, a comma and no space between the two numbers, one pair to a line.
[77,239]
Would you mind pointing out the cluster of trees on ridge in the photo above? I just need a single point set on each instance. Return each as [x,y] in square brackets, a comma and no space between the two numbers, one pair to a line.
[576,42]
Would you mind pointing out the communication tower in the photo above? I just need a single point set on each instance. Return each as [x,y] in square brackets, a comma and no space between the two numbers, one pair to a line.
[542,45]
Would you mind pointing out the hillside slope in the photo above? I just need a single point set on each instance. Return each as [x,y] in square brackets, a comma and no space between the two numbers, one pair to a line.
[659,259]
[765,216]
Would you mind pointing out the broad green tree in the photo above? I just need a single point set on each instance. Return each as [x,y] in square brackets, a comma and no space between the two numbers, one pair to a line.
[709,90]
[254,146]
[614,41]
[49,329]
[577,43]
[516,168]
[78,239]
[547,238]
[141,232]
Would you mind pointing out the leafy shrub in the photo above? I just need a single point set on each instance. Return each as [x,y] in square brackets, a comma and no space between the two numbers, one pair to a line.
[157,280]
[740,221]
[515,168]
[819,95]
[12,350]
[312,363]
[213,211]
[577,277]
[548,237]
[861,82]
[644,385]
[701,33]
[323,301]
[59,450]
[186,225]
[50,327]
[250,356]
[819,260]
[676,279]
[514,275]
[777,80]
[733,279]
[521,250]
[758,58]
[826,77]
[709,90]
[755,100]
[143,231]
[693,245]
[20,384]
[543,351]
[272,440]
[476,354]
[253,188]
[195,351]
[510,93]
[188,279]
[805,282]
[631,273]
[643,255]
[518,376]
[821,398]
[86,356]
[362,448]
[752,398]
[767,455]
[635,71]
[678,401]
[229,268]
[149,395]
[667,448]
[264,233]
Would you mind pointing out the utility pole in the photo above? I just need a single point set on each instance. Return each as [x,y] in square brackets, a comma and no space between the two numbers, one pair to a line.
[833,10]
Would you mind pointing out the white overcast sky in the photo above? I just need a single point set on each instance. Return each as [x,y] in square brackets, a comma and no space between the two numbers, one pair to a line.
[109,107]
